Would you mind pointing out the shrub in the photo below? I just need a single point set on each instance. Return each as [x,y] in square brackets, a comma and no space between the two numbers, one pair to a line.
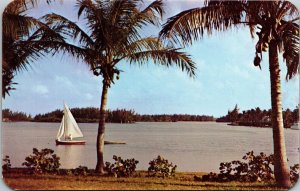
[209,177]
[81,170]
[6,164]
[259,165]
[121,168]
[65,172]
[256,168]
[294,173]
[161,167]
[43,161]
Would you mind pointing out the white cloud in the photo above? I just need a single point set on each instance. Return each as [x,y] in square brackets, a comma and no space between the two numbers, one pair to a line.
[63,80]
[40,89]
[88,96]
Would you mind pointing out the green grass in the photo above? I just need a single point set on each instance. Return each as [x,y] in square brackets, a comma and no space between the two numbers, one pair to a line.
[18,180]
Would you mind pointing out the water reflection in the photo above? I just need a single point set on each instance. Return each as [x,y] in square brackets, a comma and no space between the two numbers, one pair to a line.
[70,155]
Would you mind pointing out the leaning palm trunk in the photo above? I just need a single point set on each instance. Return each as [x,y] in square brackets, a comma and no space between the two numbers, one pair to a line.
[281,169]
[101,129]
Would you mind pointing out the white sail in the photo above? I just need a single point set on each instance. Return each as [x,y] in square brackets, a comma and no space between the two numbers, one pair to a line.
[61,129]
[71,127]
[68,127]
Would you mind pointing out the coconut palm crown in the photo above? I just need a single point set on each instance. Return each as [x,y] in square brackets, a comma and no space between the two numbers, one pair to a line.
[112,34]
[270,20]
[277,25]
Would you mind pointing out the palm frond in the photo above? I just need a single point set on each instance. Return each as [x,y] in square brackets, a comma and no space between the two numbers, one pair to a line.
[152,15]
[76,51]
[19,55]
[98,23]
[20,6]
[15,20]
[66,27]
[19,48]
[17,26]
[7,82]
[166,57]
[120,10]
[150,12]
[253,15]
[148,43]
[286,8]
[290,47]
[87,6]
[192,24]
[114,28]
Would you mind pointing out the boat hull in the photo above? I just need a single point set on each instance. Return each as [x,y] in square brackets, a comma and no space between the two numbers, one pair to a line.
[73,142]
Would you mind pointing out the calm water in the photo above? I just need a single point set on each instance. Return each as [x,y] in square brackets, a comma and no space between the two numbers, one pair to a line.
[193,146]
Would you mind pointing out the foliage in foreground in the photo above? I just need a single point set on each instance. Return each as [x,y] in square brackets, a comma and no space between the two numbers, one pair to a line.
[80,171]
[6,164]
[121,167]
[161,167]
[252,169]
[256,168]
[294,172]
[43,161]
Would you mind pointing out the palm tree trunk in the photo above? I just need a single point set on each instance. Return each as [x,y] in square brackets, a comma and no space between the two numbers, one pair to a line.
[101,129]
[281,168]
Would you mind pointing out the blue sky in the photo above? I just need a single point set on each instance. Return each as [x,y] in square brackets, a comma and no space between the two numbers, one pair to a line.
[225,76]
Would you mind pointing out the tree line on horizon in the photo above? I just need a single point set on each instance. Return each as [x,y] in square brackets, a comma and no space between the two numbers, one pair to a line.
[91,115]
[253,117]
[258,118]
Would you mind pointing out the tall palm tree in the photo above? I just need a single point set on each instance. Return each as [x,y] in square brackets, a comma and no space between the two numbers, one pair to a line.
[18,48]
[112,34]
[275,23]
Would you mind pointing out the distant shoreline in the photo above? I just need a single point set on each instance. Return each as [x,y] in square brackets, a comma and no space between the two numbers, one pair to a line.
[250,118]
[228,124]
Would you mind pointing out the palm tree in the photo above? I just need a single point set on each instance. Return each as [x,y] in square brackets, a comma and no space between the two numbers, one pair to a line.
[19,49]
[275,23]
[112,34]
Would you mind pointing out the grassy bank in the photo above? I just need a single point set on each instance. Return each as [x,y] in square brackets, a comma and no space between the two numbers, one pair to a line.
[19,180]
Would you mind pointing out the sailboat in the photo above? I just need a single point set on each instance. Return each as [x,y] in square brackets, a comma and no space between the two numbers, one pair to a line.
[69,133]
